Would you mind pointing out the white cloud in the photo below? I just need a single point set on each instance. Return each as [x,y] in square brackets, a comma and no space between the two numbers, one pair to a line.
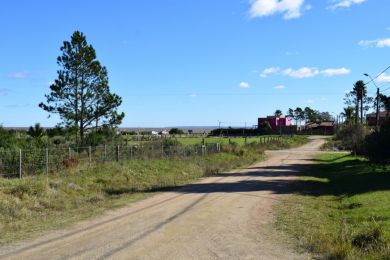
[280,87]
[344,3]
[194,95]
[384,78]
[291,53]
[244,85]
[335,72]
[269,71]
[310,101]
[301,73]
[19,75]
[289,8]
[379,43]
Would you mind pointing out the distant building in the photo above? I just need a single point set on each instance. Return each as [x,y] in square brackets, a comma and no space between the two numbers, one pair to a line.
[320,128]
[384,118]
[275,122]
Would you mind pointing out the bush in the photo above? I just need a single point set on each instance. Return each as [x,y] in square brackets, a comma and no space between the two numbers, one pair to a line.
[352,138]
[105,135]
[377,146]
[176,131]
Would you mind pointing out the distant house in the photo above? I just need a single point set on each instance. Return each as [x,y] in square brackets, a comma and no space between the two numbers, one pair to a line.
[275,122]
[384,118]
[322,128]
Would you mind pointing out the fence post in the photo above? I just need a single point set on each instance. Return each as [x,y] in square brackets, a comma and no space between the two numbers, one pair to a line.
[20,163]
[131,152]
[90,155]
[47,164]
[117,153]
[69,153]
[105,152]
[162,150]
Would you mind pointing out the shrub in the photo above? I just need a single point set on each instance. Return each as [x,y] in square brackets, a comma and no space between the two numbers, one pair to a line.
[352,138]
[377,146]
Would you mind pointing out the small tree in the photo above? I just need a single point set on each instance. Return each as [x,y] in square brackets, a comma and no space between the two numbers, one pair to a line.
[176,131]
[81,95]
[278,113]
[348,114]
[36,131]
[299,115]
[385,102]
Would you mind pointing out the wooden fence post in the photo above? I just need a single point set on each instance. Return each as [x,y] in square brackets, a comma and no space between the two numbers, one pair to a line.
[20,163]
[90,155]
[117,153]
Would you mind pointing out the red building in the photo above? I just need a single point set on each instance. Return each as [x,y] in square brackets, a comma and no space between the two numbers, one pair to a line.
[384,118]
[275,122]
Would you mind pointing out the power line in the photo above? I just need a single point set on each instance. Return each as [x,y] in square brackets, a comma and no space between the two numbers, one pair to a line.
[373,79]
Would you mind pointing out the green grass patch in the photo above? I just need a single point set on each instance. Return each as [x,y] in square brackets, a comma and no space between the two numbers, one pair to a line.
[341,209]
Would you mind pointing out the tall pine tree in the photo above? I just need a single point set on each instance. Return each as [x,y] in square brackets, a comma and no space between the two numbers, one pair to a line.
[81,95]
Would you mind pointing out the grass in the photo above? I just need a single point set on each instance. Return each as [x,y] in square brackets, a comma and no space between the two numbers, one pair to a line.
[221,140]
[33,205]
[341,209]
[213,140]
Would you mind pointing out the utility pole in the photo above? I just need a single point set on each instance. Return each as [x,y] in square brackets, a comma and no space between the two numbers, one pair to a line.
[377,99]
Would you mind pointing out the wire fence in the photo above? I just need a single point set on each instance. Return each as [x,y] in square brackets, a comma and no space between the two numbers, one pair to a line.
[24,162]
[19,163]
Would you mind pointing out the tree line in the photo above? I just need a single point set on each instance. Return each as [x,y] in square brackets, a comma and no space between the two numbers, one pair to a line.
[306,114]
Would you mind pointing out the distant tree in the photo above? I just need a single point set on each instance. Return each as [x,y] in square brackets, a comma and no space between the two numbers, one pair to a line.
[385,102]
[348,114]
[299,115]
[81,95]
[36,131]
[326,116]
[176,131]
[361,93]
[265,128]
[278,113]
[310,114]
[359,100]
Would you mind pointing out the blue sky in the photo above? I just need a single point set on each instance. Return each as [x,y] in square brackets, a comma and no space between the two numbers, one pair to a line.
[178,63]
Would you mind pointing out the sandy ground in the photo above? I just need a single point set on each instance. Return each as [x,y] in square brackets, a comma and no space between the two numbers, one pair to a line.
[224,217]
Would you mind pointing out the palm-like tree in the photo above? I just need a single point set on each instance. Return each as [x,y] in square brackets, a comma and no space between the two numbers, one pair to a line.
[348,114]
[360,91]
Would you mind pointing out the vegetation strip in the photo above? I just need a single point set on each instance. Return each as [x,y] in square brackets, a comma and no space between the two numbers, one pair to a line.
[342,210]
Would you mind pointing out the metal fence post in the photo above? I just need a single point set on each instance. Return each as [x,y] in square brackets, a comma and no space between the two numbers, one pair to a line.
[47,164]
[117,153]
[69,153]
[20,163]
[105,152]
[90,155]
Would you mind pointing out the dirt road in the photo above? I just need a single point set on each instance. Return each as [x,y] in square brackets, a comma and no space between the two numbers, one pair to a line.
[224,217]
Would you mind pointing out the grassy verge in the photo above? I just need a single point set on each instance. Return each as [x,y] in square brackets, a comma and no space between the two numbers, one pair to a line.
[341,209]
[32,205]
